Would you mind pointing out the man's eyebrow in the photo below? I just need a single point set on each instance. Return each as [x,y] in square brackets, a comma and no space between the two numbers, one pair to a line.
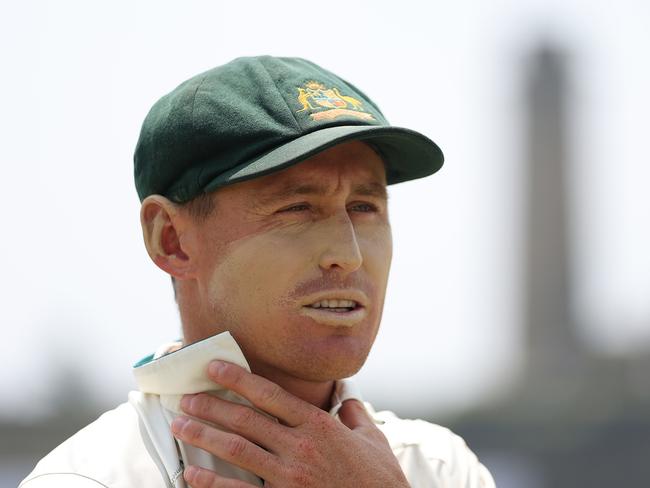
[371,190]
[291,189]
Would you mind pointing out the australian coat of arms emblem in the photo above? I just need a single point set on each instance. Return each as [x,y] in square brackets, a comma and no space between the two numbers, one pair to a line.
[328,103]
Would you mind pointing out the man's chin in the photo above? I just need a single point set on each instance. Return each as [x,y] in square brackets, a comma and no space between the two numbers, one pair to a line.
[333,358]
[323,370]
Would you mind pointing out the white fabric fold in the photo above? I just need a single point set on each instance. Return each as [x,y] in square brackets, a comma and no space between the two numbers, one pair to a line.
[184,370]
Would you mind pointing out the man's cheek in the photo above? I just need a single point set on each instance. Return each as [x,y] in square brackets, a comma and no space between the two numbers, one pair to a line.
[377,260]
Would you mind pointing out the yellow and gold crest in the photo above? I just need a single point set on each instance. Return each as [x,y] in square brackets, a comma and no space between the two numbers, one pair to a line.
[328,103]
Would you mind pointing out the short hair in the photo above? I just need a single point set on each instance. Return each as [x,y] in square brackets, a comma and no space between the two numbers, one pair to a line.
[199,208]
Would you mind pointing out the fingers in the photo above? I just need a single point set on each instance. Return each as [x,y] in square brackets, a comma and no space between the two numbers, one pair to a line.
[354,415]
[204,478]
[230,447]
[264,394]
[236,418]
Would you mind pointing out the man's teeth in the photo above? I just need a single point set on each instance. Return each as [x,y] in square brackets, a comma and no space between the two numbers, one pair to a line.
[334,304]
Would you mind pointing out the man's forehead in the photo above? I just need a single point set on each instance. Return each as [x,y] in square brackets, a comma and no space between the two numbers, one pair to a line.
[291,187]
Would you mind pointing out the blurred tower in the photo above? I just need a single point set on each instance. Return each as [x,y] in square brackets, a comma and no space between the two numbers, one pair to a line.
[554,354]
[577,418]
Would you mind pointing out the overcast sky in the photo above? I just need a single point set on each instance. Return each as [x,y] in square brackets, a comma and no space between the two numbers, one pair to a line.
[79,77]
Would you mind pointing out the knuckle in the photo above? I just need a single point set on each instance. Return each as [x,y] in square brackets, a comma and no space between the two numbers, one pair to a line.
[201,405]
[242,418]
[232,374]
[270,394]
[235,446]
[194,431]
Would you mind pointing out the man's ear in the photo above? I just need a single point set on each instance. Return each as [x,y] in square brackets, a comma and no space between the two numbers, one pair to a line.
[162,228]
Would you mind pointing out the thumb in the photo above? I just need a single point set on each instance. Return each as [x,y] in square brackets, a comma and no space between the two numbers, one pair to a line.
[354,415]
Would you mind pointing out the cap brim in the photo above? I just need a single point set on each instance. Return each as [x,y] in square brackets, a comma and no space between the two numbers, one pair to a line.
[408,155]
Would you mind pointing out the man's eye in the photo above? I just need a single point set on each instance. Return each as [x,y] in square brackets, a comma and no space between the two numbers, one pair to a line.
[363,207]
[299,207]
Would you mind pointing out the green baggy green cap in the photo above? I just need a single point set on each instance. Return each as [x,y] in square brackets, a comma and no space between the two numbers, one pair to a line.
[257,115]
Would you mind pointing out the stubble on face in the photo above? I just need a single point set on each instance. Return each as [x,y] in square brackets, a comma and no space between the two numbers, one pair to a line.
[262,255]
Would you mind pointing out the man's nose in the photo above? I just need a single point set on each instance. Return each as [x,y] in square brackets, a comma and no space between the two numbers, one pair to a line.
[340,249]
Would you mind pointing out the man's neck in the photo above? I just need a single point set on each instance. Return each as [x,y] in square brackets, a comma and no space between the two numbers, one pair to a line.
[318,394]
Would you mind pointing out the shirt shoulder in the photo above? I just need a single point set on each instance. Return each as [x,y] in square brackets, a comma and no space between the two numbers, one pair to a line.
[61,480]
[109,452]
[431,455]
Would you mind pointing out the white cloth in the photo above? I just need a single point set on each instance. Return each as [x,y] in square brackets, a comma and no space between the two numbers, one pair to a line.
[132,446]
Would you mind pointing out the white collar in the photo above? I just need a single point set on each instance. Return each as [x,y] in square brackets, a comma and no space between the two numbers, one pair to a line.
[184,371]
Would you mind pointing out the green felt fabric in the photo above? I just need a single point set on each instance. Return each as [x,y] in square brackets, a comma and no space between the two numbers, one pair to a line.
[256,115]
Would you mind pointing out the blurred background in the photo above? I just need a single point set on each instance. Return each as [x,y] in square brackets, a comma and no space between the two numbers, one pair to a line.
[518,311]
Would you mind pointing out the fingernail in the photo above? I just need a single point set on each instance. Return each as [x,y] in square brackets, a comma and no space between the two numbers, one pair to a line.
[216,367]
[178,423]
[190,473]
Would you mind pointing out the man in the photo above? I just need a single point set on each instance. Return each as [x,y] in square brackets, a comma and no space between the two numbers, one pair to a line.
[263,188]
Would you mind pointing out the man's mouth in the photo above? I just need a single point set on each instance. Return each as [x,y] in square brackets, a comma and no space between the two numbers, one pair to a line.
[335,310]
[336,305]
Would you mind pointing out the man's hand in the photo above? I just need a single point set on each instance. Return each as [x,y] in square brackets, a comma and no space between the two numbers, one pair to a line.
[308,449]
